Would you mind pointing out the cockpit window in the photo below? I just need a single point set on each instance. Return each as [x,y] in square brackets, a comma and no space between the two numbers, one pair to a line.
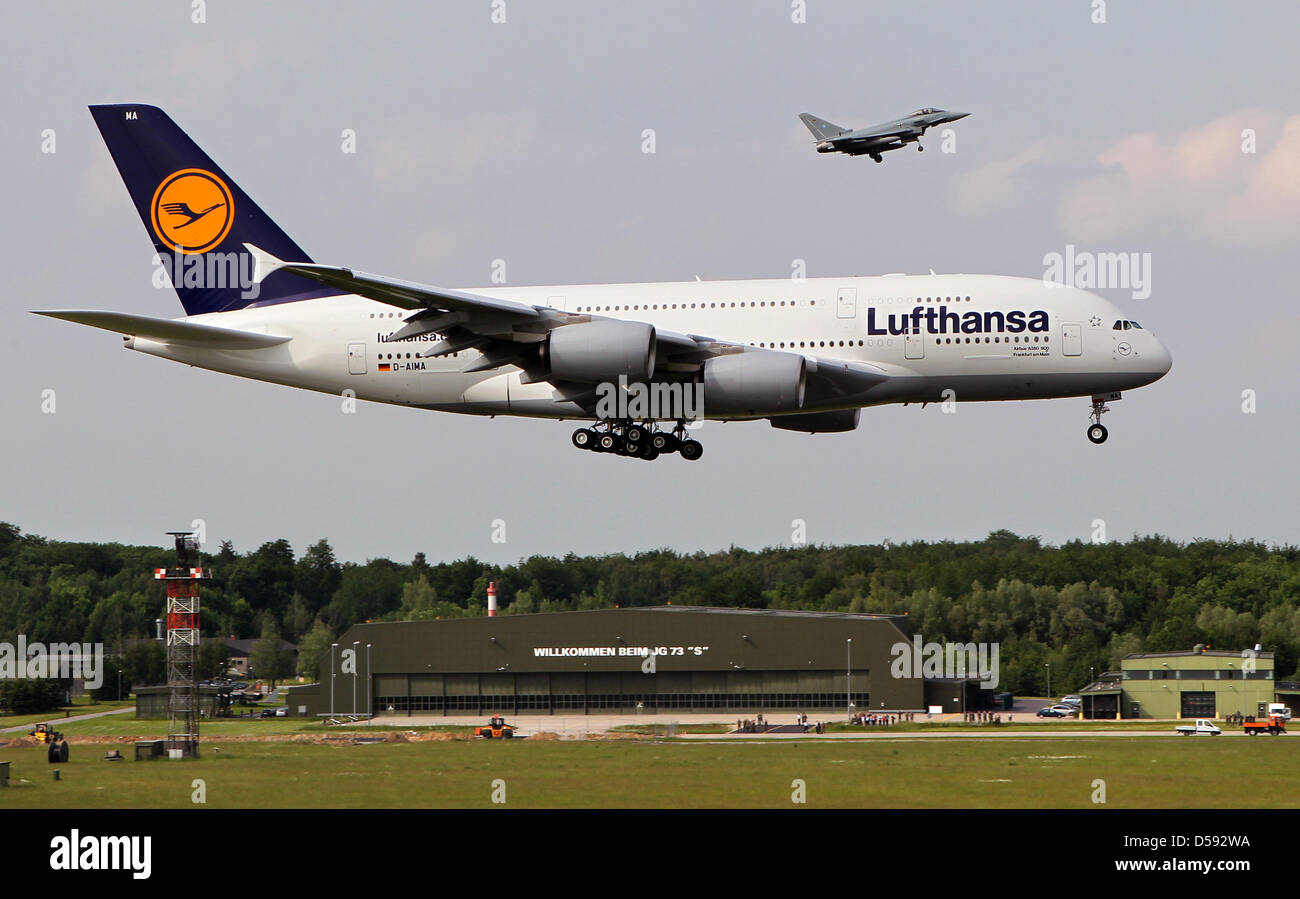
[927,111]
[1119,326]
[1136,325]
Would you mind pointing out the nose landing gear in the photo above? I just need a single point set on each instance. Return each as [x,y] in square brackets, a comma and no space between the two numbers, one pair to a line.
[1097,432]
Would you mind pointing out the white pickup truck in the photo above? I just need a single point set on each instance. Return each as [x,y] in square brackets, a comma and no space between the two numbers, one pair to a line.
[1202,726]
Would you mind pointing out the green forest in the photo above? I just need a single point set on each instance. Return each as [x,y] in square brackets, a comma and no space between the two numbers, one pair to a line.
[1079,607]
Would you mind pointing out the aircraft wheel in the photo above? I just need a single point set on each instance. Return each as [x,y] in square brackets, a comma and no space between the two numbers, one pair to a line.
[629,448]
[648,452]
[1098,433]
[584,439]
[920,149]
[877,157]
[634,434]
[608,443]
[691,450]
[665,443]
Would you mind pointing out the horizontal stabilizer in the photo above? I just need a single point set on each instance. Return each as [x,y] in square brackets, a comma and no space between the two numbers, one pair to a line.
[166,330]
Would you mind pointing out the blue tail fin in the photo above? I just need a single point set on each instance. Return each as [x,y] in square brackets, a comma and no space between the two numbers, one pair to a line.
[196,215]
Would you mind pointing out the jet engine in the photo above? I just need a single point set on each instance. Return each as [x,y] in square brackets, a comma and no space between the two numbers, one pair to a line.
[755,383]
[601,350]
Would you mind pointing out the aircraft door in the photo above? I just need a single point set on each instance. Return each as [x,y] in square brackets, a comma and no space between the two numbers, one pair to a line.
[1072,339]
[914,345]
[357,358]
[848,303]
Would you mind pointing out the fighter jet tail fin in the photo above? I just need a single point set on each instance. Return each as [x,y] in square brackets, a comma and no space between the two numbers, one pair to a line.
[821,129]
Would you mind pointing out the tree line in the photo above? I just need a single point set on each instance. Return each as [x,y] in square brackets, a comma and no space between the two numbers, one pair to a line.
[1078,607]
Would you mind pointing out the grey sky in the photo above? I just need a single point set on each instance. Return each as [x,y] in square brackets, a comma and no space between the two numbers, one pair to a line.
[522,141]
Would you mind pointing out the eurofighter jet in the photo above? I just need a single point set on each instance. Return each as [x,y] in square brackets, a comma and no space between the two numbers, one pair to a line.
[805,355]
[876,139]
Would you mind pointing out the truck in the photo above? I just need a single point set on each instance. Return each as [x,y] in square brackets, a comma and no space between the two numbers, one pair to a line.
[1275,725]
[1280,710]
[1202,726]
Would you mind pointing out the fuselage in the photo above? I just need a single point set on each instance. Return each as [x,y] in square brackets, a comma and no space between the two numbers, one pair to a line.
[982,337]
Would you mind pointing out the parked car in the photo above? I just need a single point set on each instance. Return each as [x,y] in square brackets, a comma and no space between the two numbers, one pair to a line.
[1072,699]
[1052,712]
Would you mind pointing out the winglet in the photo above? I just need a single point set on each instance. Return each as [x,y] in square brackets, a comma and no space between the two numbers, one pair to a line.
[264,263]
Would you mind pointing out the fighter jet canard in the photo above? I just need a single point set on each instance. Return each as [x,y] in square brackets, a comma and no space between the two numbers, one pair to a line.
[877,139]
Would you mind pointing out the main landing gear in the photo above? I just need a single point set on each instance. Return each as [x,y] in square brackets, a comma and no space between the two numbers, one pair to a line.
[877,157]
[643,441]
[1097,432]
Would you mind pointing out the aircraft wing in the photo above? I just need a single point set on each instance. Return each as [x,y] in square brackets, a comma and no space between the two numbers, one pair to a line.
[875,131]
[507,332]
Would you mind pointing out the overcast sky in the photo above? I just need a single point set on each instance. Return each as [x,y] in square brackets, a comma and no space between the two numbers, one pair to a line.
[522,141]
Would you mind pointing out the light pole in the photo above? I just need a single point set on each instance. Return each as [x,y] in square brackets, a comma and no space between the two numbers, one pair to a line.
[356,644]
[370,686]
[333,646]
[1049,679]
[848,677]
[119,685]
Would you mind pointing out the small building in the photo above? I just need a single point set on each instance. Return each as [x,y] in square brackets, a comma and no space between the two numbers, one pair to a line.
[240,650]
[1196,683]
[152,702]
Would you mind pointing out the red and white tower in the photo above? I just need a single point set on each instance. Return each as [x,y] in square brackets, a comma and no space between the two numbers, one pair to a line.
[181,621]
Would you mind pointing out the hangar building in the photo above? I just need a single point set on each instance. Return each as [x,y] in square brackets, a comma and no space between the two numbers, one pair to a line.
[1198,683]
[662,658]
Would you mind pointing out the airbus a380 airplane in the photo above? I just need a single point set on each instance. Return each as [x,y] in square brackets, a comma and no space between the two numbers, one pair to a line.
[805,354]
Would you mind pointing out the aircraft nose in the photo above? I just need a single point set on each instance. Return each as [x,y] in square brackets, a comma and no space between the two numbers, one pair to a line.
[954,116]
[1162,359]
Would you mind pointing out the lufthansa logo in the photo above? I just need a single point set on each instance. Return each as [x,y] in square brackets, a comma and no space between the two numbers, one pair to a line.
[192,211]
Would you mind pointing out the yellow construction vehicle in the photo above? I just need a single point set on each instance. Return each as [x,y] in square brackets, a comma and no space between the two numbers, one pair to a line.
[495,729]
[58,746]
[45,734]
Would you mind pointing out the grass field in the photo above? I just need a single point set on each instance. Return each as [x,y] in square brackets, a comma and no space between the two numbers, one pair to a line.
[1006,772]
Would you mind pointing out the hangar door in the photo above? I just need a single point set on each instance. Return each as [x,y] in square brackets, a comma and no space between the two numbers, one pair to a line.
[1197,705]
